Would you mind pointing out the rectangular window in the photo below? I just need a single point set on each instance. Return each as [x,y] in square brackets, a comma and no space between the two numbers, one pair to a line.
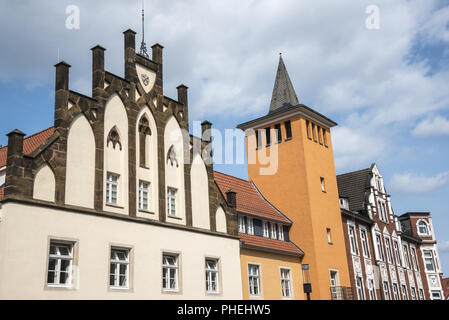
[404,292]
[325,137]
[119,268]
[286,283]
[428,260]
[60,262]
[259,138]
[397,253]
[436,295]
[268,136]
[171,202]
[111,188]
[170,272]
[414,258]
[406,256]
[388,250]
[387,291]
[266,229]
[395,291]
[323,184]
[250,226]
[242,227]
[359,287]
[308,129]
[329,238]
[421,294]
[314,132]
[371,289]
[143,195]
[288,130]
[212,276]
[320,135]
[364,238]
[278,133]
[274,231]
[352,240]
[413,291]
[254,280]
[379,247]
[281,232]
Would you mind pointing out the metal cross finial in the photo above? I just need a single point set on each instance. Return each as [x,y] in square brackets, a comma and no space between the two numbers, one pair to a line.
[143,46]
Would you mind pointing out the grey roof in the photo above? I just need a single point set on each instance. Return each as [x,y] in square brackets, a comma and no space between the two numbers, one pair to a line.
[353,185]
[284,94]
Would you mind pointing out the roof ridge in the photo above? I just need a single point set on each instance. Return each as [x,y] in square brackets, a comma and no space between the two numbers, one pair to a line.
[226,174]
[352,172]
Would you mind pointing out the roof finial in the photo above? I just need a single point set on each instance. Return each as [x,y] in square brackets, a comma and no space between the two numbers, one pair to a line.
[143,46]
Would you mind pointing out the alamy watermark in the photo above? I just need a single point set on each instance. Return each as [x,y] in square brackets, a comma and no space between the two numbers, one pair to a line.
[73,20]
[372,22]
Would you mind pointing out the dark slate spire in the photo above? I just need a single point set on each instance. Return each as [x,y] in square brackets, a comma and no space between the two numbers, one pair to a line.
[283,93]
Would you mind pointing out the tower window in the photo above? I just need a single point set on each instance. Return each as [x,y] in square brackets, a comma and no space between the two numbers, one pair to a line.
[329,237]
[324,137]
[308,129]
[288,130]
[278,133]
[323,184]
[314,132]
[320,135]
[268,135]
[259,139]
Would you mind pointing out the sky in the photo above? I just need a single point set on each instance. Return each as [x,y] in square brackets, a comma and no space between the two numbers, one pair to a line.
[386,87]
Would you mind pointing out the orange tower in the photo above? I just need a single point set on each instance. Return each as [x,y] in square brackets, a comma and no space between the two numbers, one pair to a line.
[290,159]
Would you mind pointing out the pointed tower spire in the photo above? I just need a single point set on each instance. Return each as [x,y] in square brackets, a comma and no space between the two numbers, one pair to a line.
[143,46]
[284,94]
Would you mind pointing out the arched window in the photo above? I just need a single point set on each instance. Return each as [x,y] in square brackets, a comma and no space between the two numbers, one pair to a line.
[422,228]
[114,137]
[144,131]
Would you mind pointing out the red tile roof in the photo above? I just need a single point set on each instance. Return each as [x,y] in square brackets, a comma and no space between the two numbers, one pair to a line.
[249,200]
[30,144]
[270,244]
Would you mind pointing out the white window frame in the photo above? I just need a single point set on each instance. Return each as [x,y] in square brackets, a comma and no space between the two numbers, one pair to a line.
[364,241]
[250,225]
[404,292]
[171,201]
[112,185]
[115,264]
[352,239]
[379,246]
[266,229]
[413,293]
[59,257]
[286,282]
[427,233]
[431,260]
[386,288]
[274,231]
[414,258]
[144,192]
[396,291]
[421,293]
[359,287]
[166,272]
[434,292]
[397,252]
[242,226]
[408,263]
[254,280]
[212,272]
[371,289]
[388,249]
[281,232]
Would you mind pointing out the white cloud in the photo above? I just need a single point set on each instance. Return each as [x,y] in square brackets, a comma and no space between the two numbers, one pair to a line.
[410,183]
[443,246]
[437,126]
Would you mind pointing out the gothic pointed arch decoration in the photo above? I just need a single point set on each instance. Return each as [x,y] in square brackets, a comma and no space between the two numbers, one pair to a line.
[171,156]
[144,131]
[114,138]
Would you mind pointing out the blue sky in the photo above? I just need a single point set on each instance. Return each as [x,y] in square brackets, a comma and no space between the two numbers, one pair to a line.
[387,88]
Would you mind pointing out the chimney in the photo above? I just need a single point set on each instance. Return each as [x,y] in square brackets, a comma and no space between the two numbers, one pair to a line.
[182,94]
[206,127]
[62,76]
[14,163]
[97,69]
[157,53]
[231,196]
[130,55]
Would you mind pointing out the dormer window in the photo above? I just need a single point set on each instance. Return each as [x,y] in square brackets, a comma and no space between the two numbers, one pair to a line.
[344,203]
[423,228]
